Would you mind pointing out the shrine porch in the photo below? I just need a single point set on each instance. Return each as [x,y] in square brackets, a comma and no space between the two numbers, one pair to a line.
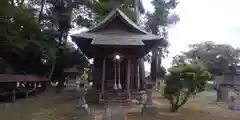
[117,80]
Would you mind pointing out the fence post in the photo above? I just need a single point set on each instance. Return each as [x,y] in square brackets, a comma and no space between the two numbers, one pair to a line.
[13,95]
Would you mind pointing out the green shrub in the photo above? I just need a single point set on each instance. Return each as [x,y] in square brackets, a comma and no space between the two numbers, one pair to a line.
[184,79]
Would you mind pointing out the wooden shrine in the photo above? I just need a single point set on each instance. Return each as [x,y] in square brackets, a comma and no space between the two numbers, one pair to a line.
[117,46]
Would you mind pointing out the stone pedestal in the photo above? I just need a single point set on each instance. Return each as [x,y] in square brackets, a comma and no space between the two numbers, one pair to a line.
[113,111]
[235,106]
[81,108]
[92,96]
[149,97]
[223,94]
[149,109]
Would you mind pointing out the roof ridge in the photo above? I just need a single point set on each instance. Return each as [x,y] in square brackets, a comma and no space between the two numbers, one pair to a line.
[114,13]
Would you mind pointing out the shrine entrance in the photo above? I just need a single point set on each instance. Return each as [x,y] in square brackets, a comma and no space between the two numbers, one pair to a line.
[115,78]
[116,73]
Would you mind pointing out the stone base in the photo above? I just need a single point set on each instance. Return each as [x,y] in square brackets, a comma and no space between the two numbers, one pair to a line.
[113,111]
[92,96]
[149,110]
[82,110]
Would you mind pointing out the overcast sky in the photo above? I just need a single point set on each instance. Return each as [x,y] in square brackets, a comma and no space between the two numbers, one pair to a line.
[203,20]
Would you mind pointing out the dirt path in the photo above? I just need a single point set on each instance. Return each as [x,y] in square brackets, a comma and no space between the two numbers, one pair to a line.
[50,106]
[47,106]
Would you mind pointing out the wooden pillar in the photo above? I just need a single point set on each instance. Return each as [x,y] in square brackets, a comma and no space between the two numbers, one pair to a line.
[119,75]
[138,79]
[94,75]
[103,74]
[142,74]
[98,73]
[128,76]
[133,74]
[26,90]
[132,82]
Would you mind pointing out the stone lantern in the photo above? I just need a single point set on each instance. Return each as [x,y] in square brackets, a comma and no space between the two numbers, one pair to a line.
[81,108]
[148,107]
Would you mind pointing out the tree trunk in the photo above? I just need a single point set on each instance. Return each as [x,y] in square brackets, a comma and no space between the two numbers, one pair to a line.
[61,81]
[51,72]
[154,65]
[41,11]
[174,108]
[179,103]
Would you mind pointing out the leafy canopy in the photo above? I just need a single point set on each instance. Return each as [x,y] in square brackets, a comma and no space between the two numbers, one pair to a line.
[217,58]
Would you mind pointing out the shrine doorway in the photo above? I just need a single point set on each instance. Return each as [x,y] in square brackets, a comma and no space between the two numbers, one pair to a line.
[115,73]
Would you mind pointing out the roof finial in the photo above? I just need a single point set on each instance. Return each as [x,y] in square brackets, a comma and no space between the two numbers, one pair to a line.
[119,6]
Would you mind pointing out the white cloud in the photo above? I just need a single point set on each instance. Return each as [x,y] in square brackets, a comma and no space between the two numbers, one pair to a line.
[203,20]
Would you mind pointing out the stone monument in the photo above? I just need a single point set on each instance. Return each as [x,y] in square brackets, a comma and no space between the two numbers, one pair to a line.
[113,111]
[81,108]
[148,107]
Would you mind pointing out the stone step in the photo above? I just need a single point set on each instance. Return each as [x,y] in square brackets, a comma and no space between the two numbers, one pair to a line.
[117,94]
[136,95]
[115,97]
[125,102]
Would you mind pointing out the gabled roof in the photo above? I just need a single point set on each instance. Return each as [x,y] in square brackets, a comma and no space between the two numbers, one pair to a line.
[101,36]
[116,13]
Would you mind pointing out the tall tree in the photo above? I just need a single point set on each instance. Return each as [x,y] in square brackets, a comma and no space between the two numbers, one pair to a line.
[35,31]
[218,58]
[157,23]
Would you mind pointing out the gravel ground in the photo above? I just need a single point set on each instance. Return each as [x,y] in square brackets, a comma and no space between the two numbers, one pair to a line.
[49,106]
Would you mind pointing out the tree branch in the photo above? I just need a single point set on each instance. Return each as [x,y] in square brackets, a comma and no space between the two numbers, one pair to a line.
[185,99]
[12,3]
[41,11]
[21,3]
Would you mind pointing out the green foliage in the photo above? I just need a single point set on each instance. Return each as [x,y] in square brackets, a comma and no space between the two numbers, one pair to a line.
[27,40]
[99,9]
[215,57]
[184,79]
[19,29]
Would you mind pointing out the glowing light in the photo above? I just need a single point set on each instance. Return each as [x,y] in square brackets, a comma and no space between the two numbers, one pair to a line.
[117,57]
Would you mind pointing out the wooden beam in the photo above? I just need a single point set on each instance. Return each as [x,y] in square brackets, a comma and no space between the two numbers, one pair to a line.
[103,74]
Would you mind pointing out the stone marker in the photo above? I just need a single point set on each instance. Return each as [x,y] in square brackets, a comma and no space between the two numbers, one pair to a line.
[148,107]
[113,111]
[235,103]
[81,108]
